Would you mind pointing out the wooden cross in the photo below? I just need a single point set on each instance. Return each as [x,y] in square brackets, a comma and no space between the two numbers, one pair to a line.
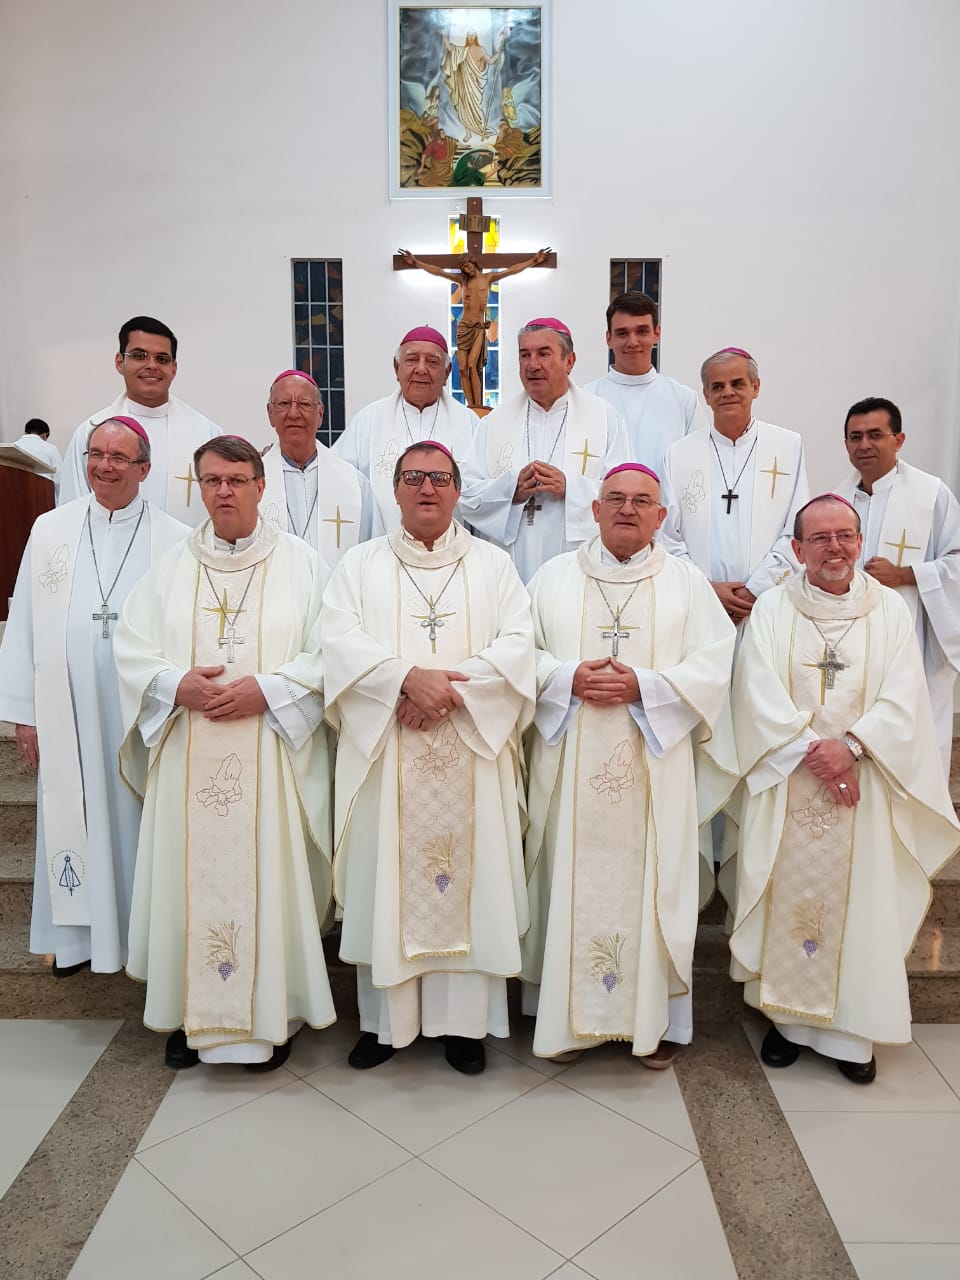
[729,498]
[900,547]
[338,520]
[583,454]
[475,222]
[191,480]
[531,507]
[616,634]
[228,640]
[828,666]
[105,618]
[774,476]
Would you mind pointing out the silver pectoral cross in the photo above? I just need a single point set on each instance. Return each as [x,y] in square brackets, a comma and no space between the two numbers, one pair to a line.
[616,634]
[228,640]
[431,620]
[828,666]
[106,618]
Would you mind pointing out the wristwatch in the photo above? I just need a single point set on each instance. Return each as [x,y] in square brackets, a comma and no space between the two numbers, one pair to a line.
[854,747]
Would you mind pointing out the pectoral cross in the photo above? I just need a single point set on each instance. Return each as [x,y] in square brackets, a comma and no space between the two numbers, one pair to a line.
[223,609]
[729,498]
[229,639]
[338,520]
[616,634]
[431,620]
[828,666]
[583,454]
[191,480]
[900,547]
[531,507]
[106,618]
[774,476]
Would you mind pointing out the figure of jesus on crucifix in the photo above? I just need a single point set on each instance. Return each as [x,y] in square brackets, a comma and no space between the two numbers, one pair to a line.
[475,284]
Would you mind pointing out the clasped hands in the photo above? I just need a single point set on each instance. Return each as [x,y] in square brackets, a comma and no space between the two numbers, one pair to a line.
[736,598]
[428,695]
[539,477]
[199,691]
[831,762]
[606,680]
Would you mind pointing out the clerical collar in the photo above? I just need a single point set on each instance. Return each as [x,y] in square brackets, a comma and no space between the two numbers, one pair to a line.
[632,379]
[148,411]
[241,544]
[884,483]
[129,512]
[558,406]
[439,544]
[296,466]
[433,409]
[608,558]
[745,438]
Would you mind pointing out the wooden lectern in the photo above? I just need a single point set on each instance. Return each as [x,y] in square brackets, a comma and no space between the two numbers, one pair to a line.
[24,495]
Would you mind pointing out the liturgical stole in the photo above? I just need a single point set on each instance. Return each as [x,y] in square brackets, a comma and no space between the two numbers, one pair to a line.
[336,515]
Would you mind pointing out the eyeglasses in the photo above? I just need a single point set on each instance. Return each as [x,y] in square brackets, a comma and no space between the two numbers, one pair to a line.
[617,501]
[212,483]
[118,460]
[845,539]
[854,437]
[439,479]
[139,356]
[284,406]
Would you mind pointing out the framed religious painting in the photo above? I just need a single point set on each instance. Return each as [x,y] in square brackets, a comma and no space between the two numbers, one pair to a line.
[469,107]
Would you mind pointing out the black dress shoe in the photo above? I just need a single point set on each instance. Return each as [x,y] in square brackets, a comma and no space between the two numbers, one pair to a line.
[369,1052]
[178,1053]
[859,1072]
[777,1051]
[281,1052]
[68,970]
[465,1054]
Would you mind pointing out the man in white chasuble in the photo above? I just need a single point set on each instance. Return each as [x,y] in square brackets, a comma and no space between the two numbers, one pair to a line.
[429,677]
[219,666]
[58,685]
[845,815]
[656,410]
[537,460]
[310,491]
[911,542]
[147,362]
[631,753]
[733,489]
[421,408]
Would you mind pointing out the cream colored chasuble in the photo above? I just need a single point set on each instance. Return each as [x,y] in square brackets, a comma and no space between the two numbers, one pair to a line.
[222,795]
[436,768]
[614,925]
[829,651]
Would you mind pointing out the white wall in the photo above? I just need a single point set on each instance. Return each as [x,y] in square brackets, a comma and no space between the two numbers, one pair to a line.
[793,164]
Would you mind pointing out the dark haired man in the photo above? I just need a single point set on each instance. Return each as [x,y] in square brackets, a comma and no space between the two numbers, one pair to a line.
[656,410]
[146,359]
[36,441]
[911,542]
[220,676]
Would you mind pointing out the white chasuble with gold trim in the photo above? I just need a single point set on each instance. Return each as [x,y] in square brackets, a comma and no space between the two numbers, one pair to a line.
[811,877]
[222,798]
[436,767]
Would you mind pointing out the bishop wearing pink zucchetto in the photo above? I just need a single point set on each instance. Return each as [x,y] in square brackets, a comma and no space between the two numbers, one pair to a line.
[421,408]
[538,459]
[631,751]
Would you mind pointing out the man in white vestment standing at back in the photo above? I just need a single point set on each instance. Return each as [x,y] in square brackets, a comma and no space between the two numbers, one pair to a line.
[219,668]
[310,491]
[846,814]
[147,362]
[656,410]
[420,409]
[911,542]
[429,675]
[537,460]
[36,441]
[632,750]
[58,685]
[732,490]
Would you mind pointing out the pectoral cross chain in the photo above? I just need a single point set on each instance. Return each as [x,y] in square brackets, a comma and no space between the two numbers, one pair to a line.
[106,618]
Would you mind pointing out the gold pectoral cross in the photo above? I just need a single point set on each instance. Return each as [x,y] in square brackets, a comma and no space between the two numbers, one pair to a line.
[828,666]
[774,475]
[191,480]
[900,547]
[338,520]
[223,609]
[583,454]
[432,620]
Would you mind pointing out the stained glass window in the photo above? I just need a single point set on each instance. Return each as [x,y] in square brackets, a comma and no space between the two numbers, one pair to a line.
[491,376]
[318,334]
[639,275]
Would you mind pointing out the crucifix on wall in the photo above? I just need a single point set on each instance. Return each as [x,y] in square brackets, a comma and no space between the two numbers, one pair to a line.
[467,270]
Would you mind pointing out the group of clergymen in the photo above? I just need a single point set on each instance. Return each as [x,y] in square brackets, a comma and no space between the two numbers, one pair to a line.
[334,694]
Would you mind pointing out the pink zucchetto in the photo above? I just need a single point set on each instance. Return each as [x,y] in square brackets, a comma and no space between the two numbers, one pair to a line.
[132,423]
[827,497]
[632,466]
[734,351]
[294,373]
[431,444]
[423,333]
[549,322]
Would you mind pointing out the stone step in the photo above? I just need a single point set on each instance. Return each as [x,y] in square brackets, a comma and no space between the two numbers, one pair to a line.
[16,882]
[18,806]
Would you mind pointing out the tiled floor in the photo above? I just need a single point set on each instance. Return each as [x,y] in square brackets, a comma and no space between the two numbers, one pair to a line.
[530,1171]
